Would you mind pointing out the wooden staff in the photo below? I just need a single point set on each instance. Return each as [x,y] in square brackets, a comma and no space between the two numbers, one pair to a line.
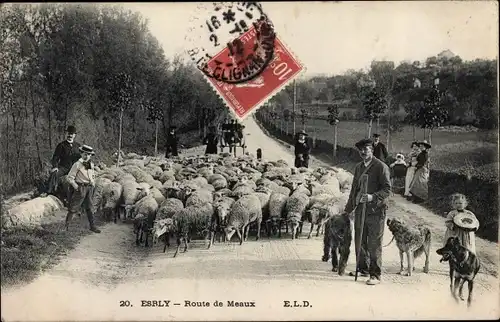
[364,190]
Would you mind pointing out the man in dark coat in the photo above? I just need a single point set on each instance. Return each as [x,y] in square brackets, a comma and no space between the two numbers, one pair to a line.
[172,142]
[378,190]
[211,141]
[67,152]
[302,150]
[379,149]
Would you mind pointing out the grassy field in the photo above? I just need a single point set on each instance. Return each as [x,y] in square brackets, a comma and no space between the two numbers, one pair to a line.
[449,148]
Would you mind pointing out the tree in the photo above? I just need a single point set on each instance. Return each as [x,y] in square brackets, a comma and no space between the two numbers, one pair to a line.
[432,114]
[374,104]
[333,119]
[303,117]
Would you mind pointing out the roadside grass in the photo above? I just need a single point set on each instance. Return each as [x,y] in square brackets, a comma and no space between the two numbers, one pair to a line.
[28,252]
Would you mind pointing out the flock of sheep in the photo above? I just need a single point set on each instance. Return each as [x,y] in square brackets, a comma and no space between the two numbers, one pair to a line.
[213,196]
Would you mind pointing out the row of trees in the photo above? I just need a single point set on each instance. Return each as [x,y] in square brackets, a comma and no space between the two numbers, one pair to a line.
[428,100]
[468,89]
[96,66]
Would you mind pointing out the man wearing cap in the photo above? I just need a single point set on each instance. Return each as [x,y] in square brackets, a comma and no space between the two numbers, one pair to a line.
[172,142]
[81,178]
[66,153]
[302,150]
[378,189]
[379,149]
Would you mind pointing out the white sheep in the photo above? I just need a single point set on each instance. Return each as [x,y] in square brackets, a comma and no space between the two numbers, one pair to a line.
[295,209]
[244,211]
[144,213]
[98,193]
[112,195]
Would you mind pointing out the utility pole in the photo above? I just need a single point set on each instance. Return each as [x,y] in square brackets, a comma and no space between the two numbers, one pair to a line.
[293,105]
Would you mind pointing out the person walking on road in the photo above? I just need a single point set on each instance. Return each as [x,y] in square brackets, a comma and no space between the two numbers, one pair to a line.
[66,153]
[369,245]
[211,141]
[81,177]
[302,150]
[172,142]
[379,149]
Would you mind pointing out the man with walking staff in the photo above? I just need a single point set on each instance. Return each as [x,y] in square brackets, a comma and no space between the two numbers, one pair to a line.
[368,200]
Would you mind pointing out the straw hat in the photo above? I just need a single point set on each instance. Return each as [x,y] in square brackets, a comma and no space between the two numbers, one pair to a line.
[466,221]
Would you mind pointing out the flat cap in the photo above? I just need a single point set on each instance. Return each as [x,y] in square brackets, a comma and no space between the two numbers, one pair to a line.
[362,143]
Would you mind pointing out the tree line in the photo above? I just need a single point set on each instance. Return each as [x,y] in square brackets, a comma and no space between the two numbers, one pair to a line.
[395,95]
[95,66]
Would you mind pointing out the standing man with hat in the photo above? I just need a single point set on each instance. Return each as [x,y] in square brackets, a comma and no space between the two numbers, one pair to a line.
[172,142]
[82,178]
[379,149]
[369,244]
[302,150]
[67,152]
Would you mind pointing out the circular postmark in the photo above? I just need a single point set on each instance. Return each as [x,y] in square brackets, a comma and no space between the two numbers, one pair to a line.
[240,41]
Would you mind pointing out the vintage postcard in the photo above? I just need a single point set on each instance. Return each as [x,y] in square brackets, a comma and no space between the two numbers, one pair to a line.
[249,161]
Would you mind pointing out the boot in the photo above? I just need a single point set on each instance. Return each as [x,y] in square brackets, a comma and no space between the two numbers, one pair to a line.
[90,217]
[95,230]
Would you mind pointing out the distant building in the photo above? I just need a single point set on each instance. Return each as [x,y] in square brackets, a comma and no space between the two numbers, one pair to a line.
[448,54]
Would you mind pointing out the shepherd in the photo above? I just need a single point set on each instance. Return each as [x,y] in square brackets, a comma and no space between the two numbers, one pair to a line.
[369,232]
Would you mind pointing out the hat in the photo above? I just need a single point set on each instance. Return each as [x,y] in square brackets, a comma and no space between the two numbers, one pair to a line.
[87,149]
[71,129]
[414,143]
[362,143]
[376,135]
[302,132]
[466,220]
[425,143]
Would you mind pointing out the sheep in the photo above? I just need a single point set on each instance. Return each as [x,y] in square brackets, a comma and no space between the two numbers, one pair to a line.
[344,177]
[130,195]
[169,207]
[243,212]
[295,208]
[198,197]
[167,175]
[243,187]
[331,187]
[222,207]
[163,227]
[321,210]
[97,195]
[154,170]
[190,221]
[144,215]
[111,195]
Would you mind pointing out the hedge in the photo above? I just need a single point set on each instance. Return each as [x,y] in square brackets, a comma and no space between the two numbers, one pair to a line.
[480,185]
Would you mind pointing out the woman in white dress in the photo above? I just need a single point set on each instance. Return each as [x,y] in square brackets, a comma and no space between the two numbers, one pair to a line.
[412,157]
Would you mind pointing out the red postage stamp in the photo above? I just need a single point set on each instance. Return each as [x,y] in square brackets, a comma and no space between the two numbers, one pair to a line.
[232,64]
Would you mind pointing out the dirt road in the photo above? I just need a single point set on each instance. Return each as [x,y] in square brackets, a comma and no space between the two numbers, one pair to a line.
[108,268]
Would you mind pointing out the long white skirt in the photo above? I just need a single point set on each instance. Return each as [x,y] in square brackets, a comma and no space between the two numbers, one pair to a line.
[410,173]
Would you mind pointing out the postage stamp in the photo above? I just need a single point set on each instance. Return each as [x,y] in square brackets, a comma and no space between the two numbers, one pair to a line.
[244,61]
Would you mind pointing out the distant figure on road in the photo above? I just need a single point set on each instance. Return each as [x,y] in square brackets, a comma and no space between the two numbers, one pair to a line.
[302,150]
[211,141]
[378,190]
[379,149]
[172,142]
[410,172]
[66,153]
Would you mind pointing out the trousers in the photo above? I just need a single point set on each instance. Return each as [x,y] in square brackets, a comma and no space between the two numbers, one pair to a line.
[81,199]
[371,244]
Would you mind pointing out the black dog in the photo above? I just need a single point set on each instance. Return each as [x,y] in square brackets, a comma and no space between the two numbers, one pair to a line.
[259,154]
[337,239]
[464,266]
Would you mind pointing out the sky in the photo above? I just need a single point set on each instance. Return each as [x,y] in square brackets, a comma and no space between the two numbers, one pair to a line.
[332,37]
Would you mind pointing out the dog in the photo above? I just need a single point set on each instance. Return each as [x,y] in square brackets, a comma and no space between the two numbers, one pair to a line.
[411,240]
[337,238]
[464,266]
